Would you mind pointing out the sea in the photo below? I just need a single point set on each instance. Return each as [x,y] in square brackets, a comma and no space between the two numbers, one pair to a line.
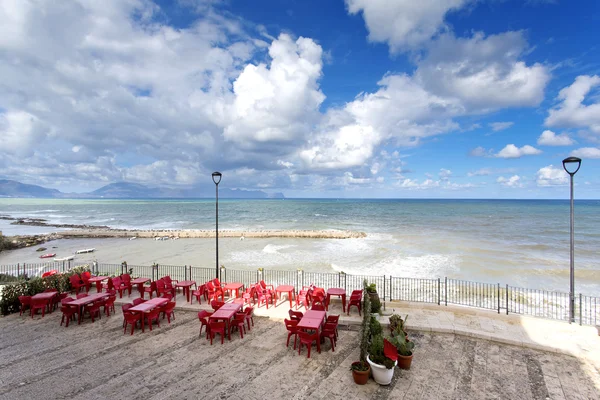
[522,243]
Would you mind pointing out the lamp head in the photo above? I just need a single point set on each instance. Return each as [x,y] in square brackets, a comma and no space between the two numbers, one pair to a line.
[575,164]
[216,177]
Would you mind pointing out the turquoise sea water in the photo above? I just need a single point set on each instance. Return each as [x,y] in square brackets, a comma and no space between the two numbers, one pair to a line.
[517,242]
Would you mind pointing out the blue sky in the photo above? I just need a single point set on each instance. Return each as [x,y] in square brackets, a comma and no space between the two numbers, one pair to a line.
[348,98]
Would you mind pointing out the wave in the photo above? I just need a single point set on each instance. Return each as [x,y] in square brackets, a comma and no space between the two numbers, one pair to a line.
[274,249]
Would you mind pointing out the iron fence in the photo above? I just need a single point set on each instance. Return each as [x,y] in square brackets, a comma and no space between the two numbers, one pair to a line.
[516,300]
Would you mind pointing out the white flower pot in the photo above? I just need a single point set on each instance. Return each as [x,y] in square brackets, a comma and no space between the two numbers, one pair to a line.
[381,374]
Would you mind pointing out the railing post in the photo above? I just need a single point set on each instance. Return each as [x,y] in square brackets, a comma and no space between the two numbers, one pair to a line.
[507,299]
[223,273]
[391,291]
[439,288]
[498,298]
[580,309]
[446,290]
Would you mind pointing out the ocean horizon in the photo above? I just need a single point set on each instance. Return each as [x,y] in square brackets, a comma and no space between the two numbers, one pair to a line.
[520,242]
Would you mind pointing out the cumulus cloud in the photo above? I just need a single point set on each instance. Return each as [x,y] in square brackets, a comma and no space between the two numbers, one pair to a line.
[404,24]
[445,174]
[483,73]
[551,176]
[513,182]
[571,112]
[549,138]
[586,152]
[500,126]
[414,184]
[512,151]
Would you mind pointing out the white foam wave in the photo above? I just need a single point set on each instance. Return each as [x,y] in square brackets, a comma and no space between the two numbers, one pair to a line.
[274,249]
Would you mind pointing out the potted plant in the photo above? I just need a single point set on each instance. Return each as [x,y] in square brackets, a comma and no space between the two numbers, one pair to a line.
[382,358]
[361,369]
[397,324]
[405,350]
[371,290]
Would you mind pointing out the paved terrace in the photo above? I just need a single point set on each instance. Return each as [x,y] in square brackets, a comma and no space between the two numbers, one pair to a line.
[460,354]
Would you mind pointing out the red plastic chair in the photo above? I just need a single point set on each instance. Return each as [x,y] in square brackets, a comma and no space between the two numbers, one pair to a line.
[291,326]
[334,319]
[137,301]
[153,315]
[303,298]
[307,339]
[319,297]
[49,273]
[214,292]
[76,283]
[239,322]
[263,296]
[249,311]
[109,286]
[130,318]
[126,283]
[169,285]
[25,302]
[216,304]
[109,305]
[295,315]
[68,313]
[38,304]
[199,293]
[93,309]
[85,277]
[118,286]
[355,300]
[203,317]
[150,289]
[169,310]
[214,328]
[249,295]
[329,332]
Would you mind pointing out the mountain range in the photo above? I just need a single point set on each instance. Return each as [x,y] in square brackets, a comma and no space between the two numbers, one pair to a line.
[126,190]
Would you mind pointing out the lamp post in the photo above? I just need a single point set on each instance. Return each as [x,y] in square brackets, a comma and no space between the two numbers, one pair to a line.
[216,177]
[575,164]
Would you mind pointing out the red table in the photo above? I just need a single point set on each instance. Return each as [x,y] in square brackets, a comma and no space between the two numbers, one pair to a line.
[289,289]
[234,286]
[98,281]
[225,313]
[336,292]
[147,306]
[140,284]
[312,320]
[186,285]
[47,297]
[86,300]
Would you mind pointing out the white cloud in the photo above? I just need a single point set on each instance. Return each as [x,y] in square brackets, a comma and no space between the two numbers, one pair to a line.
[513,182]
[551,176]
[549,138]
[586,152]
[571,112]
[500,126]
[445,174]
[278,102]
[480,172]
[478,152]
[404,24]
[414,184]
[483,73]
[512,151]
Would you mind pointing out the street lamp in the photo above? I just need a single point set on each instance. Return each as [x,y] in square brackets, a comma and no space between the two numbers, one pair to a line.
[216,177]
[575,163]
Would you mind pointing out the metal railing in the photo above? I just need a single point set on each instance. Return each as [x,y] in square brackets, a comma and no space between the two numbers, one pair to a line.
[509,299]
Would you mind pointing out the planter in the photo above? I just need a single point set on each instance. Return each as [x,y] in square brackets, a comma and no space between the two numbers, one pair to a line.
[381,374]
[360,377]
[404,361]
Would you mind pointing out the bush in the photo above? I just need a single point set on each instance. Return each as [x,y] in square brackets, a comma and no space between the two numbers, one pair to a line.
[376,353]
[10,295]
[376,328]
[375,305]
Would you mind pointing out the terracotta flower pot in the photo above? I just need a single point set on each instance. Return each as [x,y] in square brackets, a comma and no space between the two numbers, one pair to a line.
[360,377]
[404,361]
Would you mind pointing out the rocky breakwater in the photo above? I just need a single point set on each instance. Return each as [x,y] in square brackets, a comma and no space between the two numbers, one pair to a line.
[19,242]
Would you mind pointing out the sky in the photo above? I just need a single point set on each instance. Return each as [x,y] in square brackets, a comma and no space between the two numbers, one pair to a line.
[337,98]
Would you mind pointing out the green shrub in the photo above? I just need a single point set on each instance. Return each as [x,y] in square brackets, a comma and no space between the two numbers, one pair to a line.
[375,305]
[376,352]
[376,328]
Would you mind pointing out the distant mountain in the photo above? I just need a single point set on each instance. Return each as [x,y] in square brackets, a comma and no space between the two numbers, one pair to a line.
[10,188]
[125,190]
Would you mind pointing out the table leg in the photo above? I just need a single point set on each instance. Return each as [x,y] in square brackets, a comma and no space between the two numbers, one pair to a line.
[98,287]
[327,302]
[290,297]
[344,302]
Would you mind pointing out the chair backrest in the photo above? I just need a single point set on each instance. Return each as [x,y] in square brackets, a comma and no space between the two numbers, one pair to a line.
[203,314]
[356,294]
[333,318]
[210,286]
[86,275]
[66,300]
[170,306]
[126,278]
[50,290]
[215,304]
[249,311]
[263,285]
[38,302]
[167,296]
[25,300]
[318,307]
[160,284]
[138,301]
[116,281]
[329,327]
[217,282]
[126,307]
[295,315]
[74,279]
[81,295]
[291,325]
